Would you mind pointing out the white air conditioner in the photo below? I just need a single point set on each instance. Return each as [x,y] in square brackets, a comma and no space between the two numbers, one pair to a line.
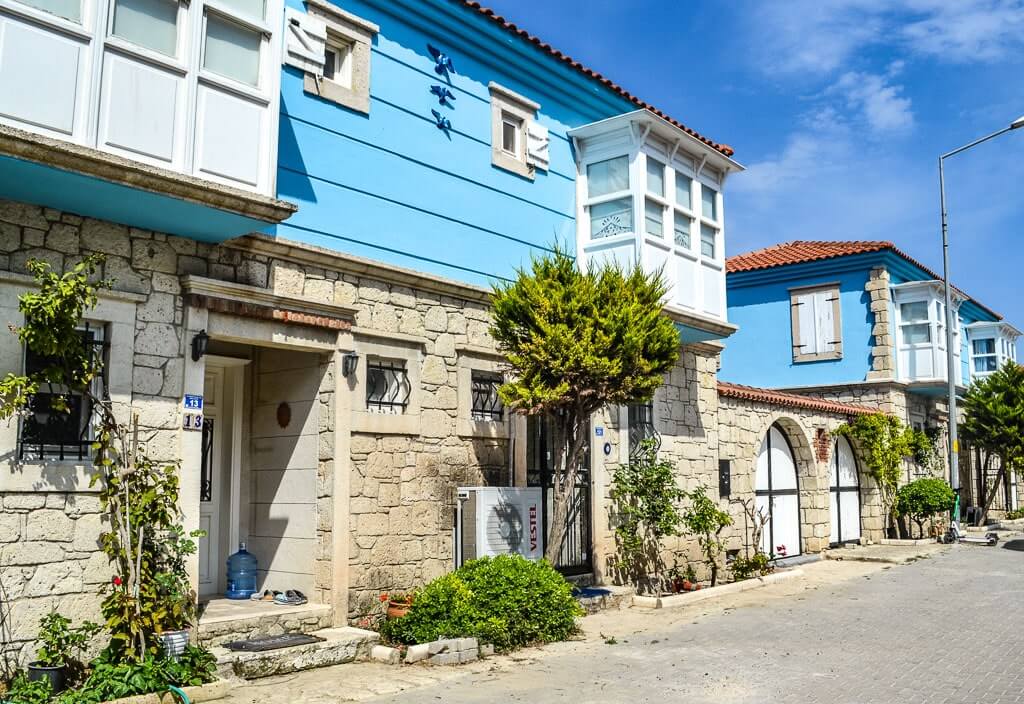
[499,521]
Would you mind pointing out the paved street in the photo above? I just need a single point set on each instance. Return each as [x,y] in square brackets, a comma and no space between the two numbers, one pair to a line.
[945,629]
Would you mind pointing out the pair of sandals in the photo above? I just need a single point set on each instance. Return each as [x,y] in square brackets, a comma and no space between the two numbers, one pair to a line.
[292,597]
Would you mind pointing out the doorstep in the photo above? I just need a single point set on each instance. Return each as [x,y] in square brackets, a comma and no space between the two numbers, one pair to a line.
[686,598]
[224,620]
[603,598]
[339,646]
[888,554]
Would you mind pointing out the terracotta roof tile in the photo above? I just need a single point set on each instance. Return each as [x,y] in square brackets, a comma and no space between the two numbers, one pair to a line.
[608,83]
[779,398]
[803,251]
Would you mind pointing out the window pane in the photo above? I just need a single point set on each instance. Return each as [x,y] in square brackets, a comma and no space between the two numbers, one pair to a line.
[682,230]
[683,186]
[252,8]
[985,346]
[232,50]
[707,241]
[611,218]
[985,364]
[330,61]
[914,312]
[69,9]
[655,177]
[608,176]
[149,23]
[917,334]
[654,216]
[709,206]
[509,135]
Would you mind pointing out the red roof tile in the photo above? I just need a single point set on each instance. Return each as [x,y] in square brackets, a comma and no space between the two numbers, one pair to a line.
[608,83]
[803,251]
[779,398]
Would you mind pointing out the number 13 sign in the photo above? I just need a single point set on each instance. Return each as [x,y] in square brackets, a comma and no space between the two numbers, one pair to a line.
[192,405]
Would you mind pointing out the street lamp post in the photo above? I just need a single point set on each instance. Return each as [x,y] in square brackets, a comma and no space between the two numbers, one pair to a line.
[954,448]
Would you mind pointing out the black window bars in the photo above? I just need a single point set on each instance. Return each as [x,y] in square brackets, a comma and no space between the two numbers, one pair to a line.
[641,428]
[487,403]
[387,386]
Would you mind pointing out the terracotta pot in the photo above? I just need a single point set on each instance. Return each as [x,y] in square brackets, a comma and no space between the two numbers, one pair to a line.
[687,585]
[398,609]
[678,585]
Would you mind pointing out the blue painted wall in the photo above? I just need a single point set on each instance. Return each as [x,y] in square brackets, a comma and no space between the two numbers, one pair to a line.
[760,353]
[391,186]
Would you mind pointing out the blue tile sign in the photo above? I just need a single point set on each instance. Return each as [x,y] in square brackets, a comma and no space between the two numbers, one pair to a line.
[599,431]
[193,402]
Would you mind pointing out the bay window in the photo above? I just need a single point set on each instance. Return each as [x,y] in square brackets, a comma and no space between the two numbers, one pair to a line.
[983,353]
[609,200]
[920,328]
[993,344]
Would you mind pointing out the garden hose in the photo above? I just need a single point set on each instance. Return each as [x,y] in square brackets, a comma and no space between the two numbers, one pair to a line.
[179,694]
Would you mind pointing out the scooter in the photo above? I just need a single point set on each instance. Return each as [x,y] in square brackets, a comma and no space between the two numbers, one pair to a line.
[955,535]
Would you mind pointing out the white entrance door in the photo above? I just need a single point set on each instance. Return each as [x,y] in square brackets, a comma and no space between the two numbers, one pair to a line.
[211,481]
[777,495]
[844,495]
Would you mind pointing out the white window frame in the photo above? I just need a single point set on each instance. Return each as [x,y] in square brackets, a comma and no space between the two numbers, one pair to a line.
[994,354]
[342,50]
[344,29]
[507,106]
[827,293]
[929,293]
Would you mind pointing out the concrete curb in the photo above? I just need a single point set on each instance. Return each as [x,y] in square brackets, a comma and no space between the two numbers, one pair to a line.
[909,541]
[213,691]
[677,600]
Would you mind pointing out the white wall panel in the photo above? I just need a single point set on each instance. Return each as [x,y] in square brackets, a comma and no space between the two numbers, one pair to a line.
[687,275]
[712,285]
[229,138]
[141,111]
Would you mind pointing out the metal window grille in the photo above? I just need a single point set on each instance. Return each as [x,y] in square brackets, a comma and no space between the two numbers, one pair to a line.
[487,404]
[387,386]
[641,427]
[206,462]
[47,432]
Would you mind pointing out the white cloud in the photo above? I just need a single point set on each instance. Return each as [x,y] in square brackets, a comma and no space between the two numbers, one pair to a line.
[965,30]
[881,104]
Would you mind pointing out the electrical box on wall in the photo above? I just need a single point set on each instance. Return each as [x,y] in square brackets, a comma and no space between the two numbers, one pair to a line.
[724,477]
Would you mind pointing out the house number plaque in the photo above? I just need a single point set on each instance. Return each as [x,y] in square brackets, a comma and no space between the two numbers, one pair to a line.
[192,405]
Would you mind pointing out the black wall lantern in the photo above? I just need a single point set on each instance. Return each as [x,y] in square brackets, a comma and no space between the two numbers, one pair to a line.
[348,363]
[199,344]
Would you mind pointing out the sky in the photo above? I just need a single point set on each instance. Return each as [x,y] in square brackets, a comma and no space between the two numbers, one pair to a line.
[839,110]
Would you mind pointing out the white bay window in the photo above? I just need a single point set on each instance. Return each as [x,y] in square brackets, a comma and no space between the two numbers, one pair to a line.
[920,327]
[187,85]
[992,344]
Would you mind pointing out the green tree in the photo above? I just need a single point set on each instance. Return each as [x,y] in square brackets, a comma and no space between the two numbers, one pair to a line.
[923,498]
[576,342]
[646,502]
[887,443]
[993,409]
[704,519]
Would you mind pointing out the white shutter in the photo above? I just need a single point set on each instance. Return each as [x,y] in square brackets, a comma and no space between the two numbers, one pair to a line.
[305,40]
[537,142]
[806,337]
[824,321]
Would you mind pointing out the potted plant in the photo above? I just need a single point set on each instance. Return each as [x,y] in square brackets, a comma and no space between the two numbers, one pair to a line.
[398,604]
[174,598]
[59,645]
[689,578]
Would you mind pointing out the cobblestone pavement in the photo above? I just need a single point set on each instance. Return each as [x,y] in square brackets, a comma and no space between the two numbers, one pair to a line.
[949,628]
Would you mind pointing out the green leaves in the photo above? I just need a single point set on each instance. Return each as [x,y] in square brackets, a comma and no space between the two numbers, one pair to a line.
[923,498]
[704,519]
[993,410]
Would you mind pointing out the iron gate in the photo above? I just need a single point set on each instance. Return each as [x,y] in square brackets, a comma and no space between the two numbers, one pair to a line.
[576,556]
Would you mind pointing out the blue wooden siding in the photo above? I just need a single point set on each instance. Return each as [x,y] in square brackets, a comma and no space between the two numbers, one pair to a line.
[391,186]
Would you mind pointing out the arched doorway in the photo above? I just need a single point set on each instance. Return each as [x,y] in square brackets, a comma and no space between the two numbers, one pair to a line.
[777,495]
[844,494]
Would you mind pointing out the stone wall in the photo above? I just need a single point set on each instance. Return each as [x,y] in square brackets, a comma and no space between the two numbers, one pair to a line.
[883,349]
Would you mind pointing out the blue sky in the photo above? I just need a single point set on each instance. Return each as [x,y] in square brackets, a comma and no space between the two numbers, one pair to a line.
[838,109]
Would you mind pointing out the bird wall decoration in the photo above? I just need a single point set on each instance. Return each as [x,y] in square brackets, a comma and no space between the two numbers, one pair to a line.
[444,96]
[442,62]
[443,123]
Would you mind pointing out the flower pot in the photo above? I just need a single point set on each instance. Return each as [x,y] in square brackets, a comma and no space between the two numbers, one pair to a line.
[687,585]
[174,642]
[398,609]
[56,675]
[678,585]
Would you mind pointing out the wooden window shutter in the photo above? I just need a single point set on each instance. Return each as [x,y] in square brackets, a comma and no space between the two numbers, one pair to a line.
[537,145]
[305,41]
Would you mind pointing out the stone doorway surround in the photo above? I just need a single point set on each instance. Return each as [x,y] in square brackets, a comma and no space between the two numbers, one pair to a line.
[249,315]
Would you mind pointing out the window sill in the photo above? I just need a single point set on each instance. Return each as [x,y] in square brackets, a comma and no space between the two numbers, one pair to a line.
[502,160]
[824,357]
[350,98]
[493,429]
[385,424]
[49,476]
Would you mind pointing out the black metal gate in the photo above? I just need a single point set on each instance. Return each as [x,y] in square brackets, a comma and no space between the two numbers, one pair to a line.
[576,556]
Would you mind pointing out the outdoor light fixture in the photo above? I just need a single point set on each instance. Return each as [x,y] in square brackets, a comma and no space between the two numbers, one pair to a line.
[348,363]
[199,344]
[1019,122]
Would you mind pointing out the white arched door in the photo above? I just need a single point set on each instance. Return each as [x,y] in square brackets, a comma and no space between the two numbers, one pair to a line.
[777,495]
[844,495]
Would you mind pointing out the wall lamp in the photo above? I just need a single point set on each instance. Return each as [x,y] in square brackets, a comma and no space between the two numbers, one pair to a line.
[199,344]
[348,363]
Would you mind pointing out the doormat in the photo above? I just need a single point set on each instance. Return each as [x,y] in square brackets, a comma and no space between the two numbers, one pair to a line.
[286,640]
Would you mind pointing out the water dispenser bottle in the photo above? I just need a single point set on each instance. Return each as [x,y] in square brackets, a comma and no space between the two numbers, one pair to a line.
[241,574]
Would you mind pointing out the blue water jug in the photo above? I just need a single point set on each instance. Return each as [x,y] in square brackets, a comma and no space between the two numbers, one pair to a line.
[241,574]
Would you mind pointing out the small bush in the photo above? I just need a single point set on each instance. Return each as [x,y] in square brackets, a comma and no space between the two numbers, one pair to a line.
[1014,515]
[507,601]
[922,499]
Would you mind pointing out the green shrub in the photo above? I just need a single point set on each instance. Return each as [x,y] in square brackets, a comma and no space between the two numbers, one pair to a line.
[923,498]
[507,601]
[1014,515]
[746,567]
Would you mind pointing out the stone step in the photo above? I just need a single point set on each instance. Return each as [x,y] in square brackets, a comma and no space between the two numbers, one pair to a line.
[223,620]
[340,645]
[604,598]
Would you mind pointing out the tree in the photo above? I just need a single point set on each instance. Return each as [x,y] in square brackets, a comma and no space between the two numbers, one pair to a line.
[887,442]
[923,498]
[704,519]
[993,409]
[576,342]
[646,503]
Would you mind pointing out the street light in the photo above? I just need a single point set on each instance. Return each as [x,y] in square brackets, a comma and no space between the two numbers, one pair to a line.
[954,447]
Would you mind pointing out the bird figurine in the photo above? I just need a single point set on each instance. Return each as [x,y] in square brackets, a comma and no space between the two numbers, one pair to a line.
[443,62]
[443,123]
[444,96]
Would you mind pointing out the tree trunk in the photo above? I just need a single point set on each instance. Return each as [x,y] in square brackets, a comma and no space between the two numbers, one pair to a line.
[567,448]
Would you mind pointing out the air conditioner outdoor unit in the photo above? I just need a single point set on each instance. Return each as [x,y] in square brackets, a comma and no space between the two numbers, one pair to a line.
[499,521]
